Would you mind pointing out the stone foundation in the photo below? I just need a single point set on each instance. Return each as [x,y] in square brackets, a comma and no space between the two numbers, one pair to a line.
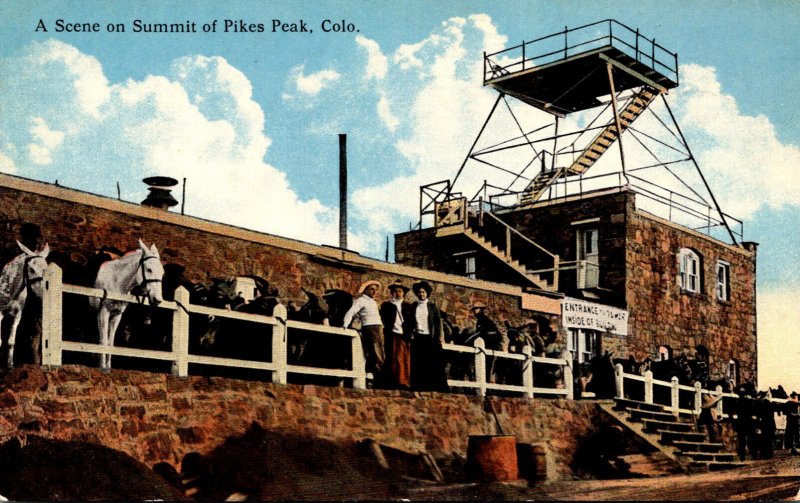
[158,417]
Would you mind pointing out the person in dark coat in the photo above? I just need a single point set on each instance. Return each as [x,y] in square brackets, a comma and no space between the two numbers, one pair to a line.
[744,423]
[765,425]
[424,323]
[398,341]
[791,409]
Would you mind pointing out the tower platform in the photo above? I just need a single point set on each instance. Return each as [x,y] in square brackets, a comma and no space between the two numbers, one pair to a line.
[566,72]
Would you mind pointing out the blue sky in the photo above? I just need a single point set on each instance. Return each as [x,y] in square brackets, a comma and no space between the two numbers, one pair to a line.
[251,119]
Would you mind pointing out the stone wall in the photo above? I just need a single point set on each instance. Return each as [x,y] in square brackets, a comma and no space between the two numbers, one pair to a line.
[554,226]
[76,224]
[660,313]
[159,417]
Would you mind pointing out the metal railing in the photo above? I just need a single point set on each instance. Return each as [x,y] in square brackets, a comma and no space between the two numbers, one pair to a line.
[277,330]
[573,41]
[674,206]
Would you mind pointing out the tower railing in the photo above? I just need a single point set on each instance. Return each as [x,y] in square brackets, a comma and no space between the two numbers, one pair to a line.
[573,41]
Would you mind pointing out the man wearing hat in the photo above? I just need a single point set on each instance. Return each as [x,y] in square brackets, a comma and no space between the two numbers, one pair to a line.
[398,342]
[366,309]
[424,321]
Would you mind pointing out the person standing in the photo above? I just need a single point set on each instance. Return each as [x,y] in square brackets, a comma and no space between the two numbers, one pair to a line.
[708,416]
[366,309]
[792,424]
[424,322]
[398,341]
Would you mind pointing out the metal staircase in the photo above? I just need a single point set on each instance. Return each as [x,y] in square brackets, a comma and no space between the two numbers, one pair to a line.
[596,148]
[675,436]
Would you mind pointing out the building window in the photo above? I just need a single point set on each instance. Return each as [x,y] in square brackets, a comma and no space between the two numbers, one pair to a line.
[723,280]
[689,267]
[588,258]
[582,344]
[469,267]
[733,372]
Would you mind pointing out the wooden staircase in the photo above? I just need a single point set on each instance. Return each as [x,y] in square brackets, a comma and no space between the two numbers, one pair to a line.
[674,436]
[536,279]
[596,148]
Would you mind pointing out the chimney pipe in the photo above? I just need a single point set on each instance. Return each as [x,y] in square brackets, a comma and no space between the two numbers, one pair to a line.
[343,191]
[159,195]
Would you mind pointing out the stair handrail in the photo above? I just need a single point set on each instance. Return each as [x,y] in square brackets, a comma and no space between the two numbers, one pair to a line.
[517,233]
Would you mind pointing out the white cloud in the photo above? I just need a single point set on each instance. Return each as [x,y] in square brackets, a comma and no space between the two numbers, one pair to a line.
[198,122]
[741,154]
[385,113]
[45,139]
[433,99]
[377,62]
[313,83]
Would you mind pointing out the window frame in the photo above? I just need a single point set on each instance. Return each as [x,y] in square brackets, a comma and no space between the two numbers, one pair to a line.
[690,281]
[470,272]
[725,294]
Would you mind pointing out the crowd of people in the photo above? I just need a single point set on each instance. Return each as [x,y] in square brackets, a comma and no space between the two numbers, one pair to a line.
[403,340]
[754,421]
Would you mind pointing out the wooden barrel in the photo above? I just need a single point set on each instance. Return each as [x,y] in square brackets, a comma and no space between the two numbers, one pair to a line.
[532,460]
[492,458]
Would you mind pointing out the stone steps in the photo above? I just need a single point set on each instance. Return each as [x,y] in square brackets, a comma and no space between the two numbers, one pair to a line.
[641,415]
[654,426]
[676,436]
[698,446]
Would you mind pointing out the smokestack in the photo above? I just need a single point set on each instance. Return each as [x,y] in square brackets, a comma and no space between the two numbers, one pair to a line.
[343,191]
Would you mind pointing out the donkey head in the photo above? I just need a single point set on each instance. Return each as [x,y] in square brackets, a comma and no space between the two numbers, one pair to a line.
[34,266]
[150,273]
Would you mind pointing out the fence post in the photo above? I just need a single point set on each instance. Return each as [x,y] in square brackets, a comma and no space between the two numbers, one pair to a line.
[698,397]
[180,334]
[52,297]
[675,396]
[619,375]
[527,372]
[359,363]
[719,404]
[648,386]
[280,333]
[480,366]
[569,385]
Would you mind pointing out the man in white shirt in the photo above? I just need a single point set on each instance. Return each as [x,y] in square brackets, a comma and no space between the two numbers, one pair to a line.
[366,309]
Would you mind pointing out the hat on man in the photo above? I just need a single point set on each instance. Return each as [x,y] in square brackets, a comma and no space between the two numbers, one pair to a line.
[398,284]
[422,285]
[365,284]
[478,305]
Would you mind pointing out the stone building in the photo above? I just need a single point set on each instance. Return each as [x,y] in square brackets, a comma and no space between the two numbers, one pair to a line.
[647,261]
[679,288]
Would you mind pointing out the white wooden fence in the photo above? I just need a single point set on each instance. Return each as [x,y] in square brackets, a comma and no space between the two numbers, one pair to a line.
[675,388]
[53,344]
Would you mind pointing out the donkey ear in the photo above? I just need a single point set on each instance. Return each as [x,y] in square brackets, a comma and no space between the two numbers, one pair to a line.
[24,249]
[142,246]
[45,251]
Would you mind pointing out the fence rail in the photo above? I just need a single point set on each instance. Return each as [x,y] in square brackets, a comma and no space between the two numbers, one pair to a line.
[674,403]
[277,330]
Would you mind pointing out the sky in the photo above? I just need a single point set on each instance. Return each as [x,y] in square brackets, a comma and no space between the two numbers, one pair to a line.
[250,115]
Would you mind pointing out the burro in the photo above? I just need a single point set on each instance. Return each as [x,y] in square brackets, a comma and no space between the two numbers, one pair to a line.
[338,26]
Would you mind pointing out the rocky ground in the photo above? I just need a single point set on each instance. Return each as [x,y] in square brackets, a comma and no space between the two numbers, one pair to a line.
[266,465]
